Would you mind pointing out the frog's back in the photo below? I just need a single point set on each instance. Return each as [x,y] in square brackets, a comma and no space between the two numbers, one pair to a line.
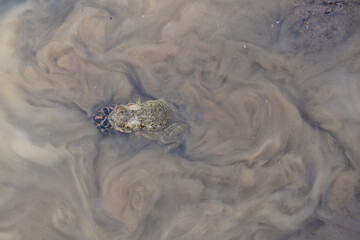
[156,115]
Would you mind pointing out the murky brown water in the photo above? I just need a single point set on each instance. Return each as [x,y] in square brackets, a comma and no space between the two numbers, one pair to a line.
[270,90]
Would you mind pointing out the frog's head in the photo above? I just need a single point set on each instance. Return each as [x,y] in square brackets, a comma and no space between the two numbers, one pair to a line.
[119,119]
[100,119]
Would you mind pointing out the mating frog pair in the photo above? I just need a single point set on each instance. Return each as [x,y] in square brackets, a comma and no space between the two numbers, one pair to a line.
[153,119]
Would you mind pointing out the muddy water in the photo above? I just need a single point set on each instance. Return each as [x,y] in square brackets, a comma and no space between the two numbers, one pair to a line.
[270,90]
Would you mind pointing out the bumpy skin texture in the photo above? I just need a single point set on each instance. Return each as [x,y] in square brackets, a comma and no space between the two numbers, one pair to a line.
[101,121]
[152,119]
[148,117]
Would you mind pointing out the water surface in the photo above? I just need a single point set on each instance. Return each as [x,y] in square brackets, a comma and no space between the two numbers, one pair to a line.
[270,90]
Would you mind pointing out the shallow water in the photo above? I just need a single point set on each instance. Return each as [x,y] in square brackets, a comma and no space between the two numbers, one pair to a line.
[270,90]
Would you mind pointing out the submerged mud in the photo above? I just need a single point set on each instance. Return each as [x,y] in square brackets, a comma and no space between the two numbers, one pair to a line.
[273,114]
[317,25]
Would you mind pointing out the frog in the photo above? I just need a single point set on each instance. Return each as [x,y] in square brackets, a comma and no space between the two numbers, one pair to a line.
[152,119]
